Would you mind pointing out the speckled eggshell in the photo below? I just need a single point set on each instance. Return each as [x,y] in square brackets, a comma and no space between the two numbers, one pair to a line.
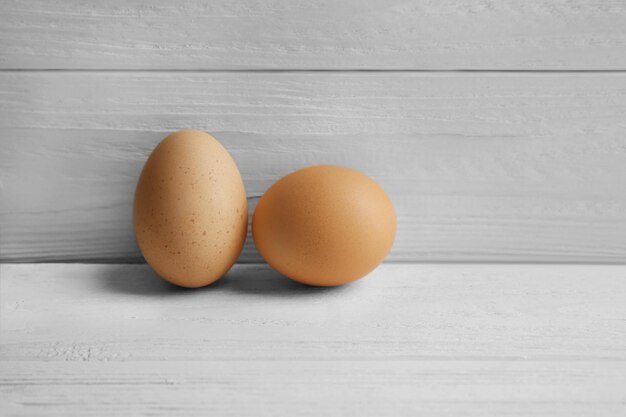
[190,212]
[324,225]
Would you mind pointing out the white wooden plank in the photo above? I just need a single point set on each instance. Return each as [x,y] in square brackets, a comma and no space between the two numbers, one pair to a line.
[507,167]
[475,312]
[312,388]
[300,34]
[451,340]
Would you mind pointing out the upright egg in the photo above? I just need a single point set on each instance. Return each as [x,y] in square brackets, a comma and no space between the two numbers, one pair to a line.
[324,225]
[190,212]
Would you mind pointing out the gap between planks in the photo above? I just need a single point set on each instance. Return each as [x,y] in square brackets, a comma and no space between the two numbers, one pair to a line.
[314,70]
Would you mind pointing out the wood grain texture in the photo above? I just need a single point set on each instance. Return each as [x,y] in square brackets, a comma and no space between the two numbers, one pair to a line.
[510,167]
[300,34]
[448,340]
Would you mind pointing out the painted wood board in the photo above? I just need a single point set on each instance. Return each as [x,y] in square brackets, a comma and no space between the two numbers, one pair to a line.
[300,34]
[80,339]
[481,167]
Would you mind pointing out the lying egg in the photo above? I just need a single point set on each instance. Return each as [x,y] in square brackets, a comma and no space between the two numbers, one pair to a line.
[190,213]
[324,225]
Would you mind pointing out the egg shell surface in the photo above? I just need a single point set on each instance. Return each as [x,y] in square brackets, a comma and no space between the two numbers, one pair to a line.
[190,211]
[324,225]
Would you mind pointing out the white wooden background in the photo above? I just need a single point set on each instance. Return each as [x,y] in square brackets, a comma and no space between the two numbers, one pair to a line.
[498,127]
[322,34]
[494,167]
[482,166]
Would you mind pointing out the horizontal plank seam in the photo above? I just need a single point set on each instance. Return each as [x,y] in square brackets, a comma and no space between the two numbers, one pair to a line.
[291,71]
[400,358]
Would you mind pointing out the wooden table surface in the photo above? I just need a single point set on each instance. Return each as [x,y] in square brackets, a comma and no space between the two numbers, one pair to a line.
[453,340]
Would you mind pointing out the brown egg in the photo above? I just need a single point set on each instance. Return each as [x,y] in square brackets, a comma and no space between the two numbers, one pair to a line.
[324,225]
[190,214]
